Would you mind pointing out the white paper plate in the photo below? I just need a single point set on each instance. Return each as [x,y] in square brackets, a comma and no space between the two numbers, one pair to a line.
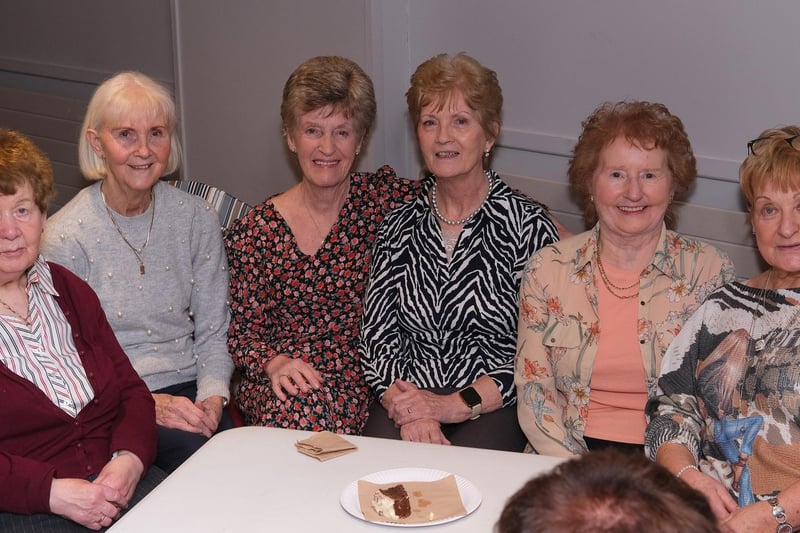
[470,495]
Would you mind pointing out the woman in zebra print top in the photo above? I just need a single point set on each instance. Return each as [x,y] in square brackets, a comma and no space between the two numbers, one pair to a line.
[439,334]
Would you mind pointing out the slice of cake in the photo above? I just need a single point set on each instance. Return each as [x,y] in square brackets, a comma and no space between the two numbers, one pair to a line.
[392,502]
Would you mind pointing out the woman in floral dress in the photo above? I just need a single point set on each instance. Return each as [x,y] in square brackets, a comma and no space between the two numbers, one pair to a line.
[299,261]
[599,309]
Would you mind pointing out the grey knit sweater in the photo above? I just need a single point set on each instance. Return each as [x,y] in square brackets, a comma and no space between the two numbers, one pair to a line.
[172,320]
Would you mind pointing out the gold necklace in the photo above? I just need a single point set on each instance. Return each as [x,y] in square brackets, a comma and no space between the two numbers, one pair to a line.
[607,282]
[138,252]
[26,318]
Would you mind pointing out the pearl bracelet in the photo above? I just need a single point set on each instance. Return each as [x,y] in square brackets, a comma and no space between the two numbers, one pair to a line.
[684,469]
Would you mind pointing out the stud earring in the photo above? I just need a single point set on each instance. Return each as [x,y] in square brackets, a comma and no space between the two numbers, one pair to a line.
[487,153]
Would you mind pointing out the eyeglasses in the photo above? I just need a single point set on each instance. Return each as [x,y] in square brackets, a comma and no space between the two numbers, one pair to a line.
[793,141]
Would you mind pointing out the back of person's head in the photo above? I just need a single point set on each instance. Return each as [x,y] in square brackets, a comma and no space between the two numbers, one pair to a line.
[332,82]
[21,161]
[117,99]
[773,160]
[607,491]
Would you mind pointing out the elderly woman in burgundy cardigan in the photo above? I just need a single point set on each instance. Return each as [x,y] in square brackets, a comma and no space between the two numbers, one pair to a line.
[77,424]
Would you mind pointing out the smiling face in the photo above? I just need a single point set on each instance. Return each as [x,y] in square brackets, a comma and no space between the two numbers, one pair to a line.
[776,223]
[21,225]
[632,188]
[136,149]
[326,145]
[451,139]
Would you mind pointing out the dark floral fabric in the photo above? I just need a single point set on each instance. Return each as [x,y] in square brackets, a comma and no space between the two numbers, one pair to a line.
[285,302]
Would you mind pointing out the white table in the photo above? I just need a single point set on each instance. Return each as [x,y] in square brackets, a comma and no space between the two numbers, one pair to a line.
[252,479]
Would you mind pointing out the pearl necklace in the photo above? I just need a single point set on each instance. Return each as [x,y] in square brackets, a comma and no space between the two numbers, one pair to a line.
[460,221]
[138,252]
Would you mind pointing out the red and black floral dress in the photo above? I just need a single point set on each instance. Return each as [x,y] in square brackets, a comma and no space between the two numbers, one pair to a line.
[284,302]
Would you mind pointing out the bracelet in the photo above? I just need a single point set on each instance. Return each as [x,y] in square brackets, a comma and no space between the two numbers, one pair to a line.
[684,469]
[780,517]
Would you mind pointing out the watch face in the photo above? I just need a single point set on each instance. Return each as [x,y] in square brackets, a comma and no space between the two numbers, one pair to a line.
[470,396]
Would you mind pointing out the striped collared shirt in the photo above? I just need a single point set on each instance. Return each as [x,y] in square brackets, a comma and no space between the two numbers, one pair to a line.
[44,352]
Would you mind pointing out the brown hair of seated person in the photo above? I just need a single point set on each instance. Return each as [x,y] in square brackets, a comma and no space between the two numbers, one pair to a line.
[646,124]
[603,492]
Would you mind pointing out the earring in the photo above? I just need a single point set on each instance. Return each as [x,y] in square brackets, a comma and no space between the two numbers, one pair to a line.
[487,153]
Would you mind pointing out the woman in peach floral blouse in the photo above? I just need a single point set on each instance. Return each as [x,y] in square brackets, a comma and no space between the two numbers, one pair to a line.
[599,309]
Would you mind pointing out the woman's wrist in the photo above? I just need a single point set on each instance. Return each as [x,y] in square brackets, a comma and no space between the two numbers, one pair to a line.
[683,470]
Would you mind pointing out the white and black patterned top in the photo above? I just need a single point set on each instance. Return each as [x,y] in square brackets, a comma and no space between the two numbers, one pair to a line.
[445,323]
[730,390]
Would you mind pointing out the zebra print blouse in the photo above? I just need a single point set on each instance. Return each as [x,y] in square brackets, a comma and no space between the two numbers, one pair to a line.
[440,323]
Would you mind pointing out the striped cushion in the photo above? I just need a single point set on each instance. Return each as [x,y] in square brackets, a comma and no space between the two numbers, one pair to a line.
[229,208]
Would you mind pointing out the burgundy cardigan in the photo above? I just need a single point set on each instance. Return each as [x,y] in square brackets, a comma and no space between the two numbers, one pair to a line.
[39,441]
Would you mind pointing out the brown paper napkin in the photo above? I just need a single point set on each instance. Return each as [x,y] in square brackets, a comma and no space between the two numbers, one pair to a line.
[325,445]
[430,500]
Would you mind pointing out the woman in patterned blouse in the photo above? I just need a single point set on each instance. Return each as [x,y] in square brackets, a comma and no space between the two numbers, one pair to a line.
[726,417]
[439,333]
[598,310]
[299,261]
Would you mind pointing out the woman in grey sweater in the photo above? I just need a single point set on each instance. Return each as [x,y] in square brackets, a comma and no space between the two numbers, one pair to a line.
[155,257]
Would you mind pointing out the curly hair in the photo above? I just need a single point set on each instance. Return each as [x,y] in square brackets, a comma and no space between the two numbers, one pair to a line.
[649,125]
[773,162]
[21,161]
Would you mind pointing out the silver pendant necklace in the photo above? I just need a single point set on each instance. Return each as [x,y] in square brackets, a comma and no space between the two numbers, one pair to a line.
[138,252]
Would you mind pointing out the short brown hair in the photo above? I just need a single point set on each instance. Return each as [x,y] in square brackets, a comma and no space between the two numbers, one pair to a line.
[649,125]
[773,162]
[607,491]
[21,161]
[438,78]
[329,81]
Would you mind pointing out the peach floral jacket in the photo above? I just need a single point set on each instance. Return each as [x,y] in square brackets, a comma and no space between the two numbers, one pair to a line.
[559,327]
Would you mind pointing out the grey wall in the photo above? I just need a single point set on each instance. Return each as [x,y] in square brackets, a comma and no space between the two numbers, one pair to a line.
[52,56]
[727,67]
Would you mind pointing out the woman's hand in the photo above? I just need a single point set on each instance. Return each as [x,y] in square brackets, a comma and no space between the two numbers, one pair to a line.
[721,502]
[750,518]
[213,406]
[181,413]
[292,376]
[405,403]
[89,504]
[122,473]
[424,430]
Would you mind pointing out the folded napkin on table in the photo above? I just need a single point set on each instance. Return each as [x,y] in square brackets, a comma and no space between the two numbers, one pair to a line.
[325,445]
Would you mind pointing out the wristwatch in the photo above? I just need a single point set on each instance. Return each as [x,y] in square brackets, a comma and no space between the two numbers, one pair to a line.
[473,401]
[780,517]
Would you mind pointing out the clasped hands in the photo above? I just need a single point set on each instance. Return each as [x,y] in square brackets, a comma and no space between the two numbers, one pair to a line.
[195,417]
[96,504]
[419,413]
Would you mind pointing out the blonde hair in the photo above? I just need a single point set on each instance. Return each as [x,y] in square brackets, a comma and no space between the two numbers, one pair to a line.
[773,162]
[116,98]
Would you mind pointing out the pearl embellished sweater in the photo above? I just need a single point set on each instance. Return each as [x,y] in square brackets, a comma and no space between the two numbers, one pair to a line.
[172,321]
